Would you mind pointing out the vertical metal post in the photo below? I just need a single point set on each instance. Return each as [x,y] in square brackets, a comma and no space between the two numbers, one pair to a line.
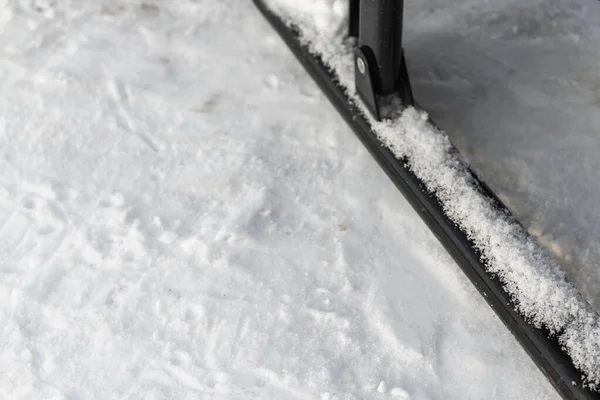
[353,18]
[380,30]
[380,65]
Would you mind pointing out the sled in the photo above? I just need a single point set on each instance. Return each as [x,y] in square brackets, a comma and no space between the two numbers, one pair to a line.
[383,86]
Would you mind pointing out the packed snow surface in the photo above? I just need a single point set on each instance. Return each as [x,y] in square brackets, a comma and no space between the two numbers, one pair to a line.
[535,281]
[184,216]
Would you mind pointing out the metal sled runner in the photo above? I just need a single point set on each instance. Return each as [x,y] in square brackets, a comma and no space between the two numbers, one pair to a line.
[380,72]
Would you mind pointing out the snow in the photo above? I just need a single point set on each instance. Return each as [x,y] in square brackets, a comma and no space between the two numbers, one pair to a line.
[529,69]
[537,283]
[183,215]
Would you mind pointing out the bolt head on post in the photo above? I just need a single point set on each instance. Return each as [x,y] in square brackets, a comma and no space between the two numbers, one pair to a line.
[360,64]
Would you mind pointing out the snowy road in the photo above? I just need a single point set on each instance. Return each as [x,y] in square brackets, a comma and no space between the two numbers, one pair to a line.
[184,216]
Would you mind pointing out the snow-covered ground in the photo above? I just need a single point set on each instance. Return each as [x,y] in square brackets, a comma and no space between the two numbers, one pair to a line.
[537,284]
[184,216]
[516,86]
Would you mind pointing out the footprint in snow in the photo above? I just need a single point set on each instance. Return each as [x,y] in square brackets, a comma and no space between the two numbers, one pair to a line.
[32,226]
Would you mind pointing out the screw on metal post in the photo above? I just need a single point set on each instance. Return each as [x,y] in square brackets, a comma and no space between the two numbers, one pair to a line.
[360,63]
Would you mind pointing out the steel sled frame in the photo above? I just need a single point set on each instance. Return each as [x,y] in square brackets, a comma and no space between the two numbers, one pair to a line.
[380,71]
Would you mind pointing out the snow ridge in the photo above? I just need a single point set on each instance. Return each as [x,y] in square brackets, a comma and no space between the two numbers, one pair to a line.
[536,283]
